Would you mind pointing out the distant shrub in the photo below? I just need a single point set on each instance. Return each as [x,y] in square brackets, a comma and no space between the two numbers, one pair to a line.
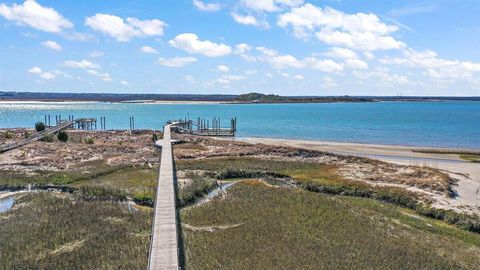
[48,138]
[62,136]
[39,126]
[27,134]
[469,222]
[8,135]
[89,140]
[144,198]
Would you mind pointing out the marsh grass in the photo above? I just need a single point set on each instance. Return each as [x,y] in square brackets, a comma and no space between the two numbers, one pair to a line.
[44,231]
[472,156]
[324,179]
[475,158]
[199,186]
[294,229]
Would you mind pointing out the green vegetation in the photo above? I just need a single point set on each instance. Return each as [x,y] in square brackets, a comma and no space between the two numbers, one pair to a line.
[62,136]
[39,126]
[281,228]
[198,187]
[95,173]
[27,134]
[244,164]
[7,135]
[95,193]
[89,141]
[324,179]
[145,198]
[262,98]
[472,156]
[46,231]
[48,138]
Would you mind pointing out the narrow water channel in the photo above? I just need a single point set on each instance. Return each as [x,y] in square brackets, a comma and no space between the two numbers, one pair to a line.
[6,201]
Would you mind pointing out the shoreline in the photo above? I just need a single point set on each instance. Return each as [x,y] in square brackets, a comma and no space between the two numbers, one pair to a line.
[467,174]
[379,149]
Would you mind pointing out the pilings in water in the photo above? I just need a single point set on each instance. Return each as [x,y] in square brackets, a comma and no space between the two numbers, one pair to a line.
[80,123]
[204,127]
[102,123]
[132,124]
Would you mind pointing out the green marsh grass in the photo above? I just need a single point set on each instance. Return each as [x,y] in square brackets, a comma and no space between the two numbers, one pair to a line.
[284,228]
[45,231]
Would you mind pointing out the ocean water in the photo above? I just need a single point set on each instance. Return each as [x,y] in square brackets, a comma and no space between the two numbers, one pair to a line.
[435,124]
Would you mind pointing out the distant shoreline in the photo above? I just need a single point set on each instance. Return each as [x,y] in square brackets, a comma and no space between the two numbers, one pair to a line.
[249,98]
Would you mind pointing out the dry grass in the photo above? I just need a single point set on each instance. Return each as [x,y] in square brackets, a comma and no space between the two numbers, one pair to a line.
[117,147]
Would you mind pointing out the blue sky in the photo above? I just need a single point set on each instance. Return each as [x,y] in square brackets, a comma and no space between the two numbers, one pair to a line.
[288,47]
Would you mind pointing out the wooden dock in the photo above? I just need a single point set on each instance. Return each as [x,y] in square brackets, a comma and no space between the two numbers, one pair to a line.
[164,242]
[81,123]
[204,127]
[37,136]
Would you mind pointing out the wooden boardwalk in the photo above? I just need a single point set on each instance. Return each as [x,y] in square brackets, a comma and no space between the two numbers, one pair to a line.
[164,242]
[37,136]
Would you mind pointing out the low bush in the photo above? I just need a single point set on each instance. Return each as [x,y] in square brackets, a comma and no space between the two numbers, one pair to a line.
[39,126]
[89,140]
[8,135]
[144,198]
[62,136]
[48,138]
[469,222]
[389,195]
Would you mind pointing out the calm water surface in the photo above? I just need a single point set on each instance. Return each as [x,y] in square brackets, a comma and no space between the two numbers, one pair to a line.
[6,203]
[441,124]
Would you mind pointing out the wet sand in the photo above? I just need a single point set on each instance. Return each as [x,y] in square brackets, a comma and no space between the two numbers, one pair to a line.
[467,173]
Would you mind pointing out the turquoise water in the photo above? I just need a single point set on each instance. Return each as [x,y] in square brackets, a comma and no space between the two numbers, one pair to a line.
[436,124]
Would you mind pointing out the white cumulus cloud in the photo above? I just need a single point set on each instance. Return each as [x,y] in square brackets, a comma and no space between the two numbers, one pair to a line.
[176,61]
[270,5]
[189,42]
[52,45]
[103,76]
[208,7]
[124,30]
[360,31]
[148,49]
[223,68]
[43,74]
[34,15]
[83,64]
[248,20]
